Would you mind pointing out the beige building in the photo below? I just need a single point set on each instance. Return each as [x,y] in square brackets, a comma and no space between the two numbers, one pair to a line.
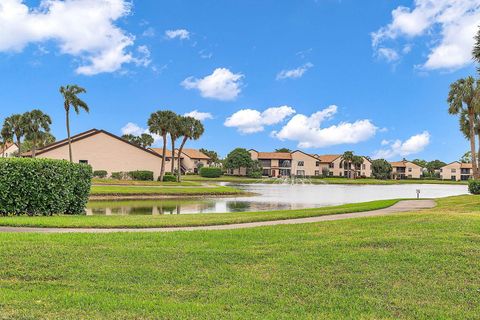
[285,164]
[406,170]
[456,171]
[191,160]
[335,166]
[9,150]
[104,151]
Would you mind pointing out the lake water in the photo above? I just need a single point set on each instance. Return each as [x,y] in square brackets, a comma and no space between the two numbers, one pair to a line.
[276,197]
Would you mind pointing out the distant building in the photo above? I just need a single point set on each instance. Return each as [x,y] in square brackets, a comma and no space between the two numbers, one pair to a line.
[456,171]
[191,160]
[406,170]
[8,150]
[335,165]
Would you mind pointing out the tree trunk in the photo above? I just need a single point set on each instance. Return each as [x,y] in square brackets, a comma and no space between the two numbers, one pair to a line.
[68,136]
[472,144]
[19,145]
[34,147]
[179,172]
[478,154]
[164,151]
[172,168]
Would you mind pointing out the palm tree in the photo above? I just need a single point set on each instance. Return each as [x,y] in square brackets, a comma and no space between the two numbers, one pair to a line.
[13,126]
[476,47]
[70,98]
[462,98]
[174,132]
[347,160]
[160,123]
[6,137]
[357,161]
[36,124]
[464,123]
[190,128]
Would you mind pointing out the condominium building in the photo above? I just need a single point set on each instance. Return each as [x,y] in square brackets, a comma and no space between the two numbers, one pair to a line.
[8,150]
[406,170]
[456,171]
[334,165]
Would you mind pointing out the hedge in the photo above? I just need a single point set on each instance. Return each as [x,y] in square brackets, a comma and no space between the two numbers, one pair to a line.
[168,177]
[207,172]
[474,186]
[141,175]
[43,186]
[100,173]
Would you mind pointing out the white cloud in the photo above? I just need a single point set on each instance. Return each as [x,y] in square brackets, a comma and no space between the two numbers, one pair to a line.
[251,121]
[450,24]
[294,73]
[149,32]
[388,54]
[199,115]
[222,84]
[412,145]
[309,133]
[84,29]
[182,34]
[136,130]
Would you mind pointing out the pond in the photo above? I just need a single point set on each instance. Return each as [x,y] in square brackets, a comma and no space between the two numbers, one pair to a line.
[275,197]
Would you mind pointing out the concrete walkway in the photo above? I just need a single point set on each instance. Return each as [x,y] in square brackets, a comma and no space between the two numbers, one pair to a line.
[401,206]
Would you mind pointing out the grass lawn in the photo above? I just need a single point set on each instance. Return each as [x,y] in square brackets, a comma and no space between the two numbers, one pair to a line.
[422,265]
[235,179]
[142,221]
[97,181]
[104,190]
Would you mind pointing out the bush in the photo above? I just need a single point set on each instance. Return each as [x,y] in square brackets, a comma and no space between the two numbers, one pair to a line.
[141,175]
[168,177]
[255,174]
[100,174]
[474,186]
[43,186]
[120,175]
[208,172]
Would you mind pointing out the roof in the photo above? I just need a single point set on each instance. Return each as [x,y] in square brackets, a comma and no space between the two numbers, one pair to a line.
[275,155]
[310,155]
[168,153]
[328,157]
[466,165]
[6,146]
[195,154]
[84,135]
[403,164]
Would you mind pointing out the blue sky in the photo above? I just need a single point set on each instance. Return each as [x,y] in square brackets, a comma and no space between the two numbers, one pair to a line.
[325,76]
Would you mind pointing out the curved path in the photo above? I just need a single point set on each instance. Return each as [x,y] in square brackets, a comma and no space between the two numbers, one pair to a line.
[401,206]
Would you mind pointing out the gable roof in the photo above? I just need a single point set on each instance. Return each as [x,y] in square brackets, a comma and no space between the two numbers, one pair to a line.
[310,155]
[403,164]
[84,135]
[7,146]
[275,155]
[168,153]
[328,158]
[195,154]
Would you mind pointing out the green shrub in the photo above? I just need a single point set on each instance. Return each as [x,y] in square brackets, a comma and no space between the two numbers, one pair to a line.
[207,172]
[168,177]
[43,186]
[141,175]
[120,175]
[255,174]
[474,186]
[100,173]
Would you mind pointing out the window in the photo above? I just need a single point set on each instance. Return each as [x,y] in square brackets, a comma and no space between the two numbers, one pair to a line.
[317,172]
[317,163]
[364,166]
[330,173]
[341,165]
[300,163]
[301,173]
[454,170]
[409,169]
[331,165]
[83,161]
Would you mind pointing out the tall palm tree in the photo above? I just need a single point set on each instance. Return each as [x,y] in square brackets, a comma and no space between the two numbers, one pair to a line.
[357,161]
[463,98]
[7,136]
[476,48]
[347,160]
[190,128]
[70,99]
[464,124]
[14,125]
[36,124]
[159,123]
[174,132]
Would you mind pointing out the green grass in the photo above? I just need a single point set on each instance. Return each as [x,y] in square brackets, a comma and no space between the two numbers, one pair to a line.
[142,221]
[235,179]
[423,265]
[105,190]
[97,181]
